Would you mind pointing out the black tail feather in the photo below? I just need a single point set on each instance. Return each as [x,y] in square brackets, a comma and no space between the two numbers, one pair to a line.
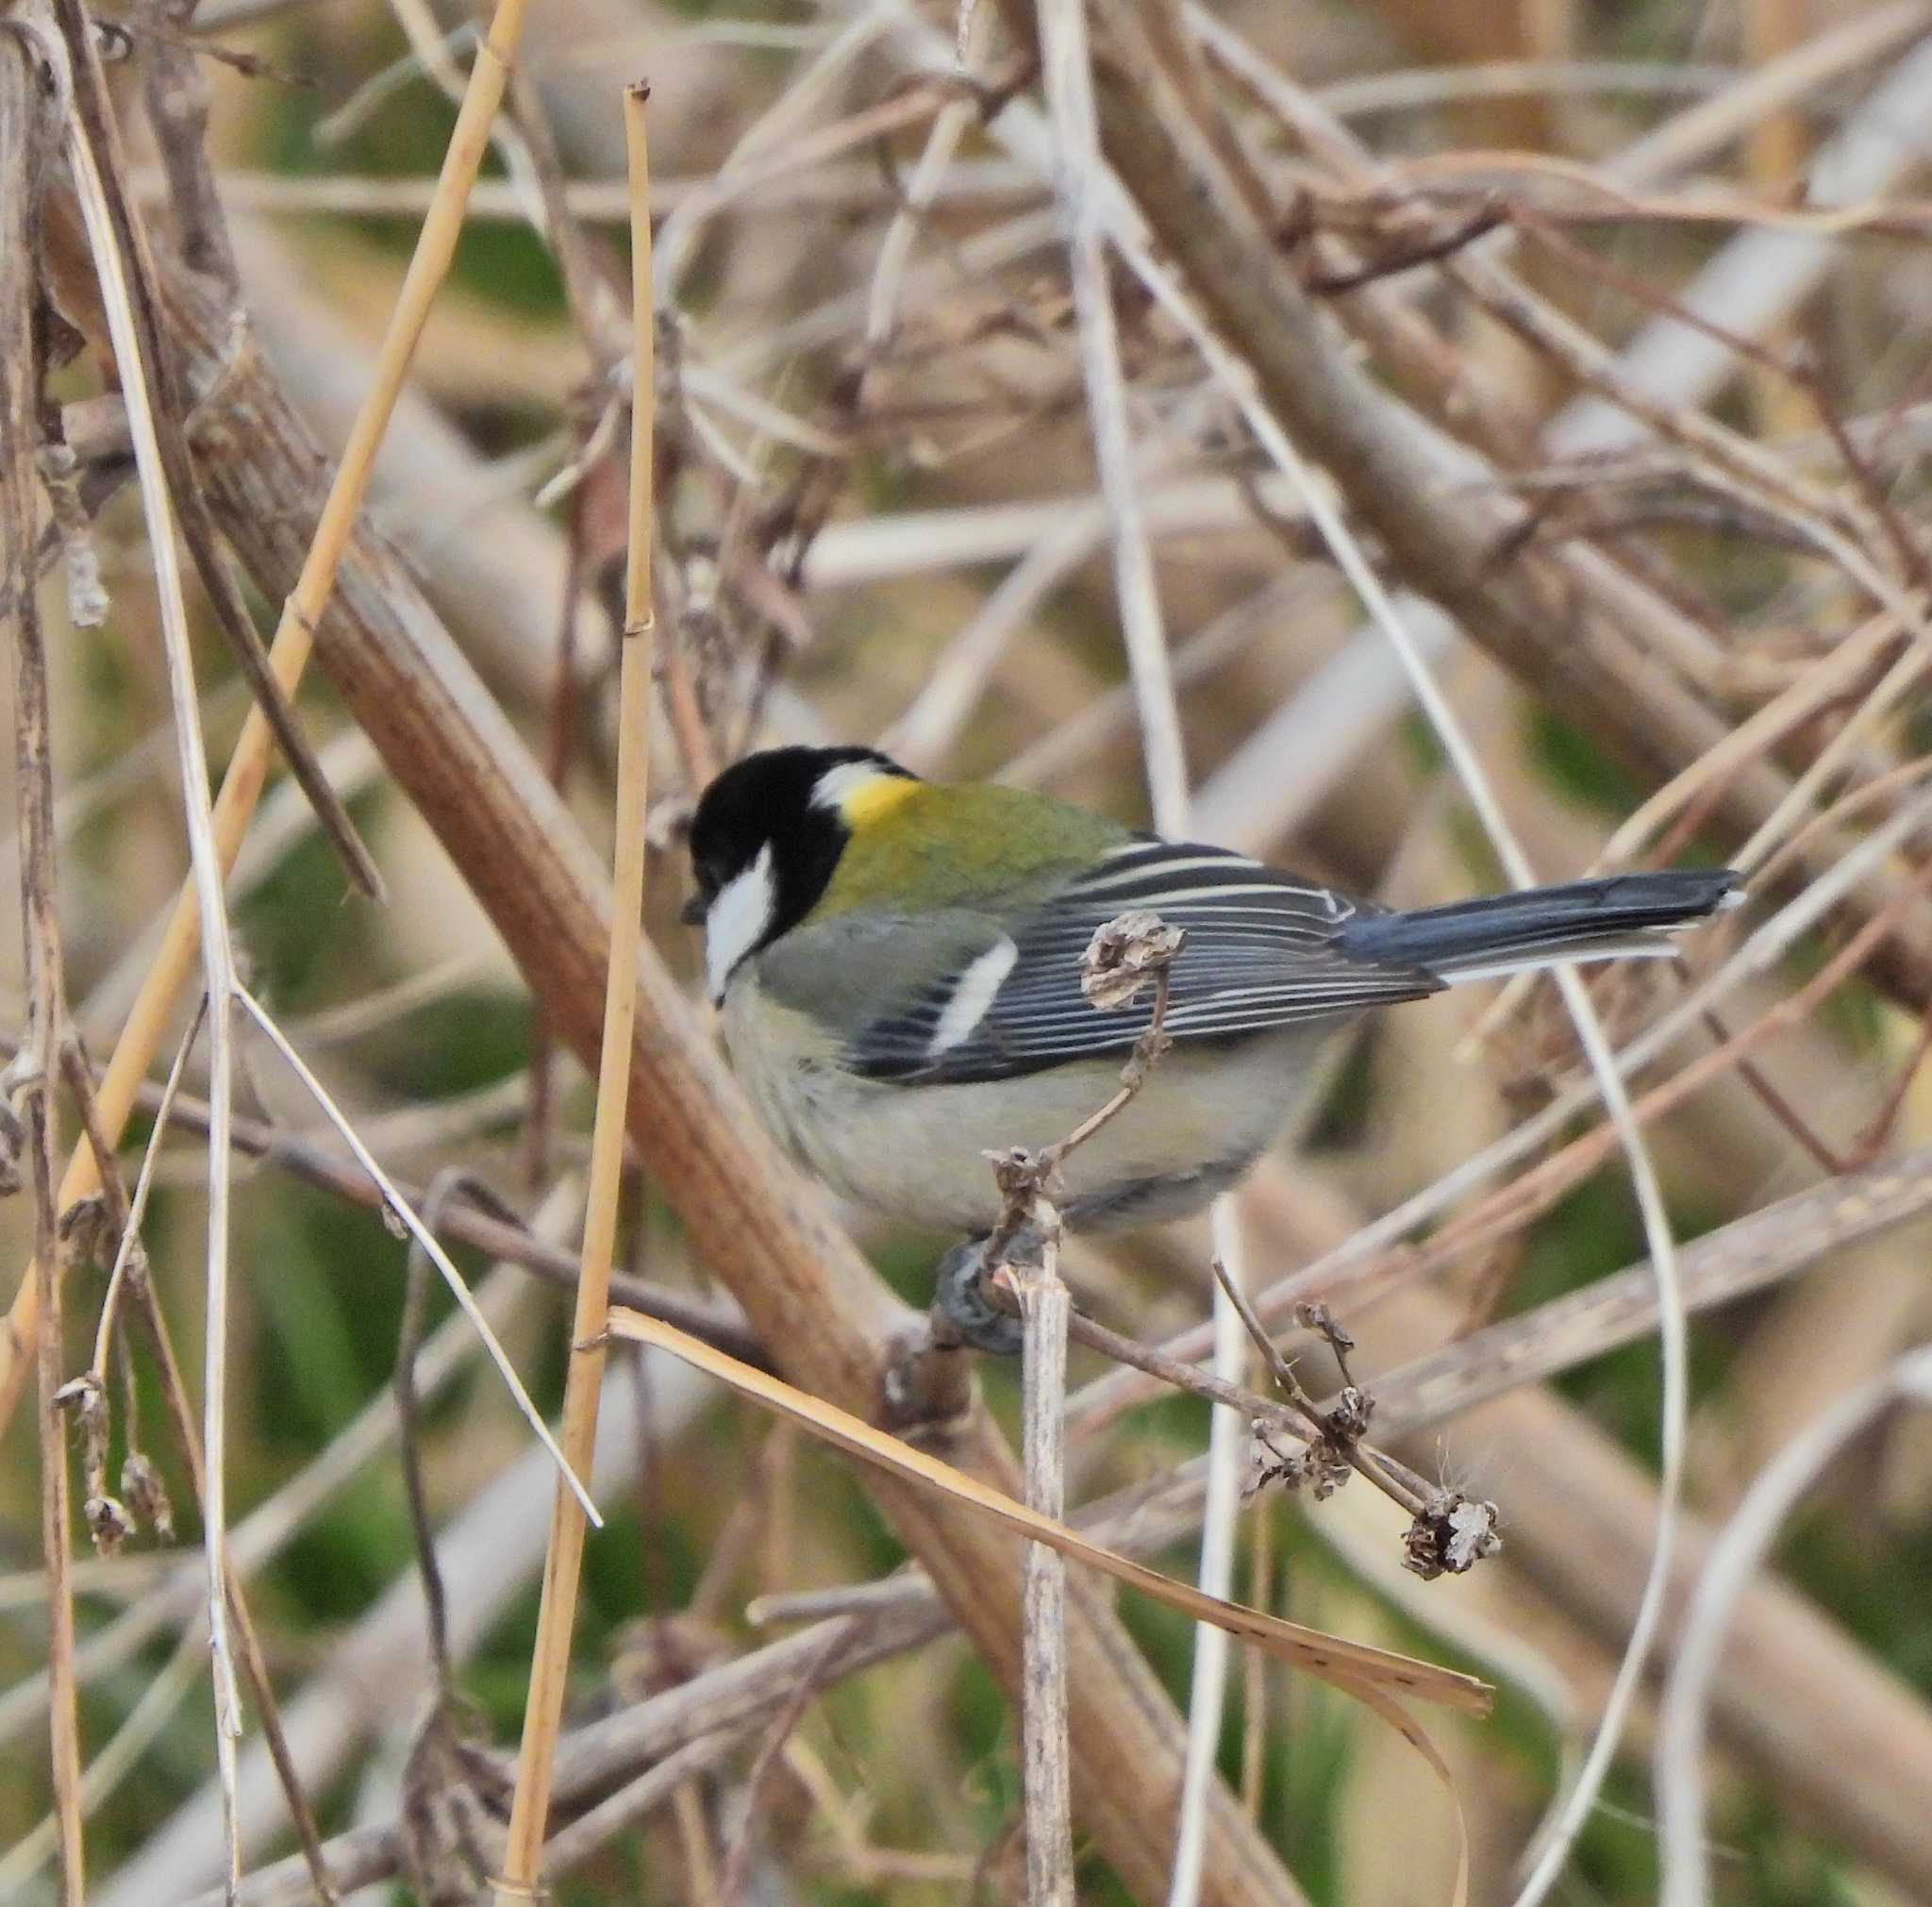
[1536,921]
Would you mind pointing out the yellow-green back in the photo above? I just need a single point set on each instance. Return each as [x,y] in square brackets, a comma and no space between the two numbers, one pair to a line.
[957,844]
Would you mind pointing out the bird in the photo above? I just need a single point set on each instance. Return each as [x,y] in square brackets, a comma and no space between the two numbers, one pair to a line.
[897,965]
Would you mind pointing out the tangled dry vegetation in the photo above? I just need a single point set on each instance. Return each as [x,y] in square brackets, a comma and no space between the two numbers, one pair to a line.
[1421,443]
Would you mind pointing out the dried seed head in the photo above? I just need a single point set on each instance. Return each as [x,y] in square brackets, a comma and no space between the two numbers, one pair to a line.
[86,1232]
[107,1523]
[83,1397]
[450,1794]
[1451,1535]
[1023,1176]
[147,1496]
[12,1150]
[1124,954]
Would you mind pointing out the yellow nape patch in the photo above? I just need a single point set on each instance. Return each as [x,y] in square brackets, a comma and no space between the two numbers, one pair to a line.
[863,793]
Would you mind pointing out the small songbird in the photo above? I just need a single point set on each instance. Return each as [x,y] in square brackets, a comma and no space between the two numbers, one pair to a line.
[898,965]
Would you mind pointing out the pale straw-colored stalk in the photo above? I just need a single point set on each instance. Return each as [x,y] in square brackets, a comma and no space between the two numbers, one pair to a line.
[563,1561]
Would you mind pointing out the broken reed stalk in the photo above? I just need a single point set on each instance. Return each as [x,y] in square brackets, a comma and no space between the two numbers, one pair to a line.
[25,141]
[1123,955]
[1048,1789]
[557,1615]
[289,656]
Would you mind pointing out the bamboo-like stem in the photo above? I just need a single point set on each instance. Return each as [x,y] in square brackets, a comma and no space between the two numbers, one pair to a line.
[557,1613]
[289,655]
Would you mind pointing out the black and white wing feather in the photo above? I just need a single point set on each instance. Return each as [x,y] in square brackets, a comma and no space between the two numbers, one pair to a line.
[1260,953]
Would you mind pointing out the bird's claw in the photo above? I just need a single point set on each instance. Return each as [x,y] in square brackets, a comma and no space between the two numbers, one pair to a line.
[967,1309]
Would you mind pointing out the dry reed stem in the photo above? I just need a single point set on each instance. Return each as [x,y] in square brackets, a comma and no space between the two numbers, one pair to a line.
[29,138]
[289,655]
[1067,77]
[113,270]
[131,1221]
[124,1214]
[1738,1552]
[92,112]
[1046,1787]
[557,1615]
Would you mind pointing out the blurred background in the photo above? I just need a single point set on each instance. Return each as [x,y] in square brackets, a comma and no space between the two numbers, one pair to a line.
[881,522]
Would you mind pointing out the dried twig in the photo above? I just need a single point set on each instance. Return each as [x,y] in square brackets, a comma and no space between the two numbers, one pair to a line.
[28,89]
[113,270]
[143,355]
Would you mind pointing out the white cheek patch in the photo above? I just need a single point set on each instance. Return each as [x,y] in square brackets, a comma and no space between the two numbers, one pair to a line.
[739,919]
[972,995]
[835,784]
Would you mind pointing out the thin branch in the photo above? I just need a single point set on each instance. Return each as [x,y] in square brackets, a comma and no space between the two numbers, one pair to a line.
[124,1218]
[130,1249]
[1066,71]
[840,1636]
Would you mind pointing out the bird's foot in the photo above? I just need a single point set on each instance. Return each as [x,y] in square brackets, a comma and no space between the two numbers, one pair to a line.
[967,1313]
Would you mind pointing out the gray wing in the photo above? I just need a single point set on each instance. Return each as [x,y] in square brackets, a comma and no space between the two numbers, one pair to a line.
[1260,955]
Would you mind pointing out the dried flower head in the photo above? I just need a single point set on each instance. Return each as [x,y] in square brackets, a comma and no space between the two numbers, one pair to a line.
[147,1494]
[1451,1535]
[107,1523]
[1124,954]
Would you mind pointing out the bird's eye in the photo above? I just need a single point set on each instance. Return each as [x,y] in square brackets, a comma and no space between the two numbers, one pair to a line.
[709,877]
